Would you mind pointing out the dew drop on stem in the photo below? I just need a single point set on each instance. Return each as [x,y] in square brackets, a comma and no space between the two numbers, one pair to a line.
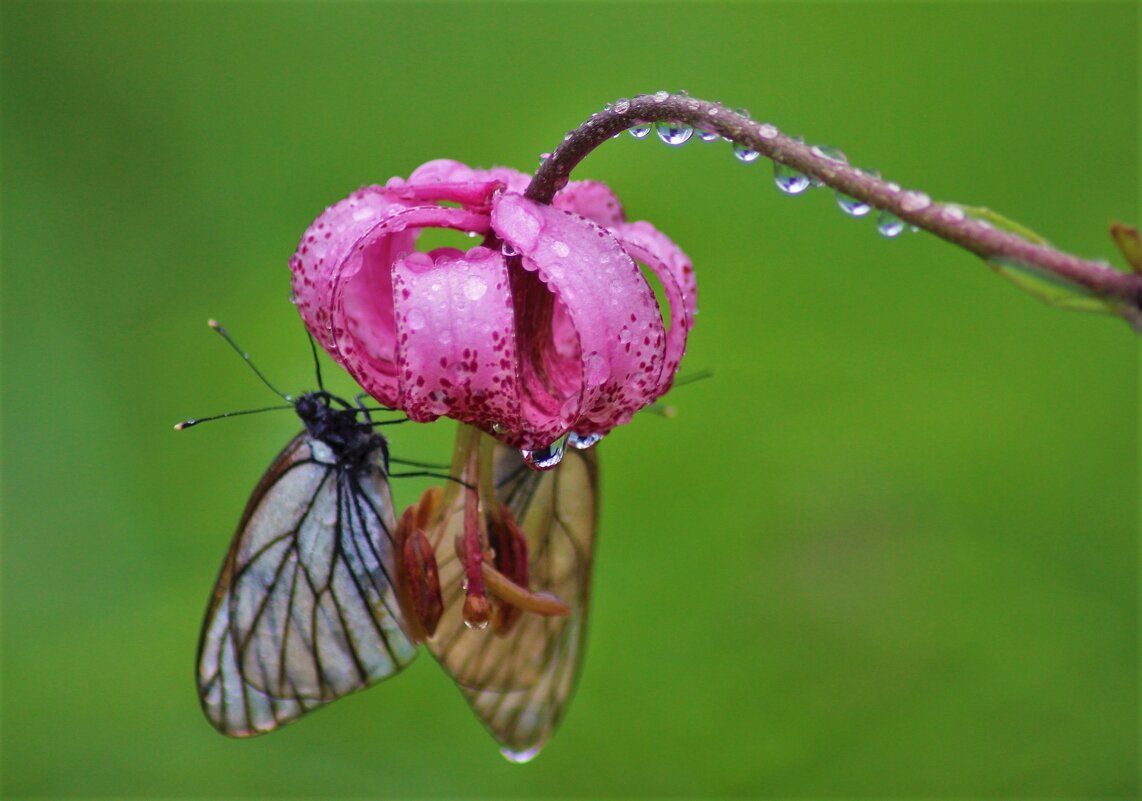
[889,225]
[744,154]
[674,133]
[852,206]
[789,180]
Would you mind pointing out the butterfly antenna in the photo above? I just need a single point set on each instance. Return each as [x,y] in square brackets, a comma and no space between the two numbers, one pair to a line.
[196,420]
[246,358]
[316,361]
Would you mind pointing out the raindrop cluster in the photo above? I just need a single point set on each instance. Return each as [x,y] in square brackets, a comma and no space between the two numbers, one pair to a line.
[787,179]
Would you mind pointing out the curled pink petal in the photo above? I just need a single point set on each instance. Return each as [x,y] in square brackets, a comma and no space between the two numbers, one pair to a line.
[456,337]
[607,301]
[654,249]
[548,326]
[364,331]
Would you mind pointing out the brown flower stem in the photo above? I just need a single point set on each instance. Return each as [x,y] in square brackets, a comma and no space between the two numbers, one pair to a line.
[947,221]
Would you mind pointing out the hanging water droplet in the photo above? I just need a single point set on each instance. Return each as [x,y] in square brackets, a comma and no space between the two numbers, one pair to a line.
[622,105]
[509,250]
[479,625]
[830,153]
[707,136]
[744,112]
[889,225]
[788,180]
[520,757]
[744,154]
[499,428]
[583,441]
[544,458]
[293,297]
[674,133]
[661,95]
[543,157]
[639,130]
[852,206]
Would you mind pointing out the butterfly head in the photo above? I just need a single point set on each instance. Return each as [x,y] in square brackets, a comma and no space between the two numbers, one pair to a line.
[352,439]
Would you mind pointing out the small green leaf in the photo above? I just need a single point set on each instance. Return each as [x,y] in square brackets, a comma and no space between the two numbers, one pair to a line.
[1045,286]
[1005,224]
[1129,243]
[1050,288]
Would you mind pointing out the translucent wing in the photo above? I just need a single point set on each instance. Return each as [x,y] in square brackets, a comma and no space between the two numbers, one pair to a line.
[519,684]
[304,610]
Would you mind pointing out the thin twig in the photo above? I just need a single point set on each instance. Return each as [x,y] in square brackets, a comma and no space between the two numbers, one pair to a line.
[945,220]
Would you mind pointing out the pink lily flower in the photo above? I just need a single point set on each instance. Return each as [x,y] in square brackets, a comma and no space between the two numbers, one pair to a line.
[546,328]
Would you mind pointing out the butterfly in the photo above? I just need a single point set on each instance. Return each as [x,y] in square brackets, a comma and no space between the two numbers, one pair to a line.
[314,599]
[520,679]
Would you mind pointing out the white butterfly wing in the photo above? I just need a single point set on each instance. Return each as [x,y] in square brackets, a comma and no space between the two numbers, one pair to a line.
[305,608]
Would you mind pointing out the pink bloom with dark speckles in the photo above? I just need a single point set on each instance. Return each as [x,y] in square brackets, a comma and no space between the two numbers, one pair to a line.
[568,337]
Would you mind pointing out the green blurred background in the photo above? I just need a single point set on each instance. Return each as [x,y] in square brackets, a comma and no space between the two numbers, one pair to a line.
[889,549]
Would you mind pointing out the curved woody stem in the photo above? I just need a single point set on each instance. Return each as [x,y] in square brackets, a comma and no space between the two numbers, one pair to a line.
[947,221]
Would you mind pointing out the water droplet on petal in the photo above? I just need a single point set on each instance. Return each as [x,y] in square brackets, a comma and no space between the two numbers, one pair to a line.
[852,206]
[639,130]
[499,428]
[707,136]
[475,287]
[583,441]
[595,370]
[889,225]
[674,133]
[520,757]
[414,319]
[544,458]
[788,180]
[509,250]
[560,248]
[744,154]
[915,201]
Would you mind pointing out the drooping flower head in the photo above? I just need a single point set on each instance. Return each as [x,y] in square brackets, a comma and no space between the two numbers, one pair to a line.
[547,328]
